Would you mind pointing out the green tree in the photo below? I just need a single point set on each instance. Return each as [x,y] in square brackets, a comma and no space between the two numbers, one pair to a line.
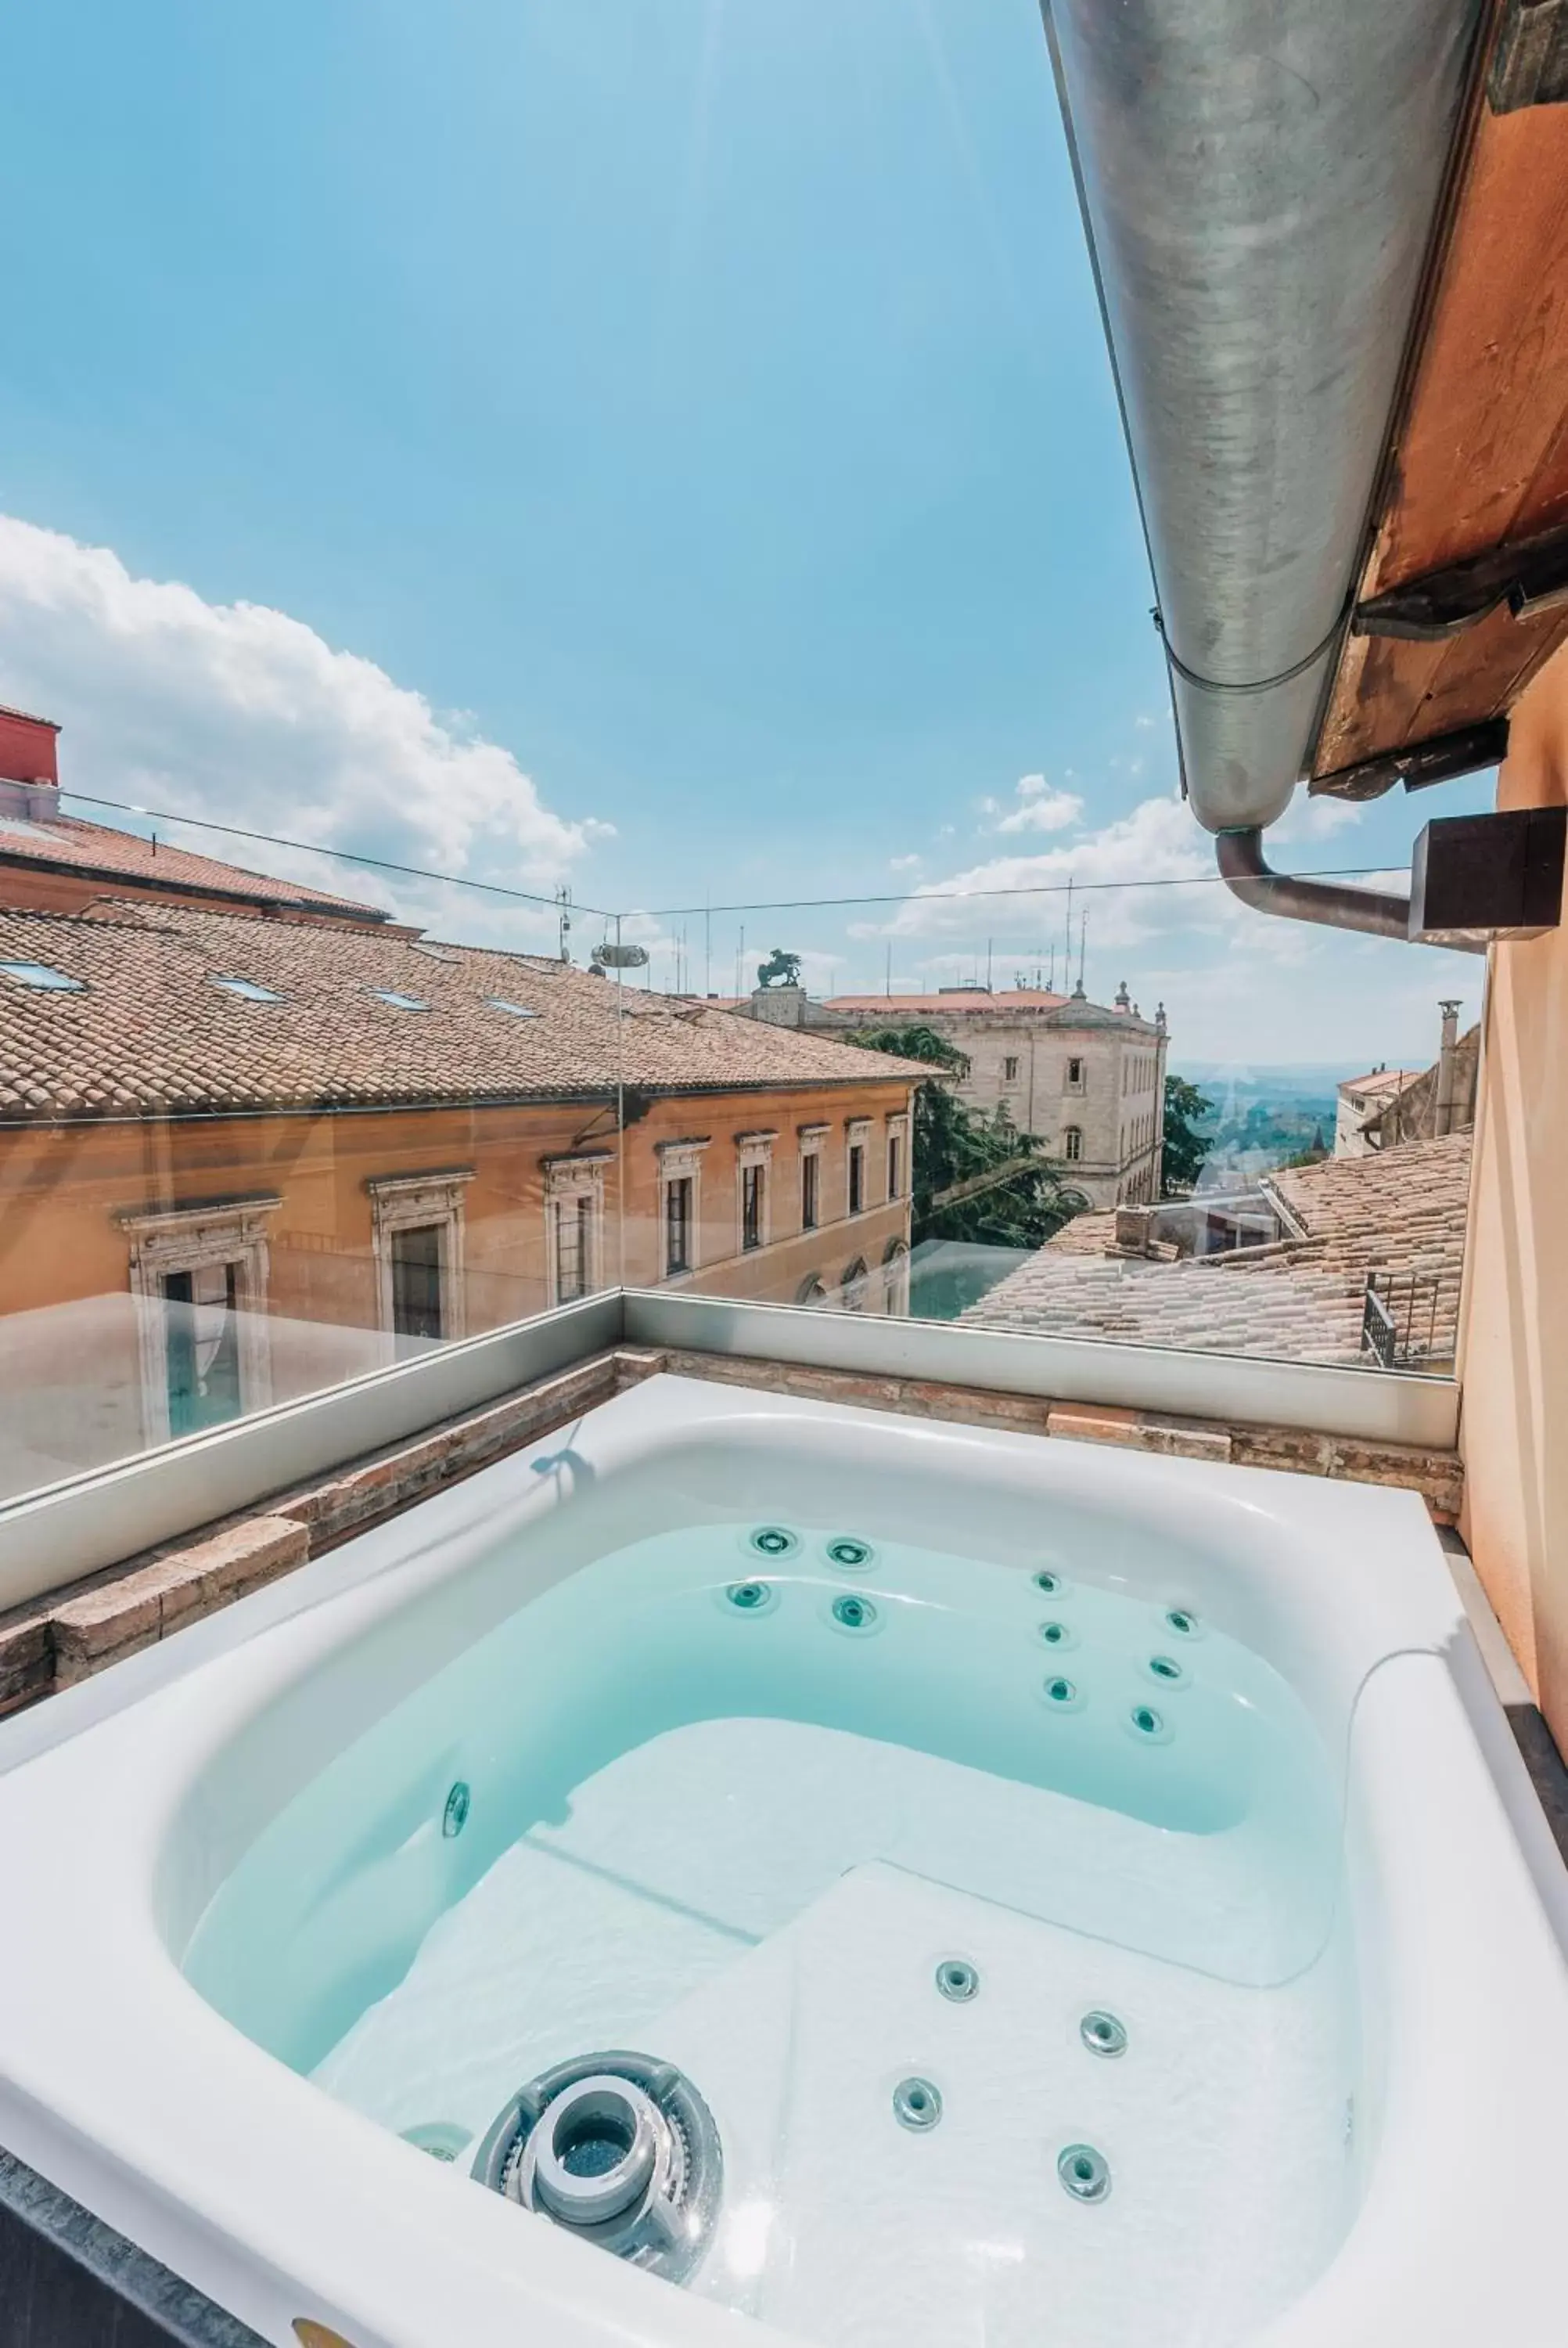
[1185,1147]
[1022,1203]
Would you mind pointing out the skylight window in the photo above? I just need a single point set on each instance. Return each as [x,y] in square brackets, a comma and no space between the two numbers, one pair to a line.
[436,953]
[248,989]
[398,1002]
[517,1010]
[41,975]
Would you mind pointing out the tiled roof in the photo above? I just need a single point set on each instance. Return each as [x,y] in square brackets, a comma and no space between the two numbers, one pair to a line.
[1017,998]
[97,850]
[1380,1080]
[149,1033]
[1401,1211]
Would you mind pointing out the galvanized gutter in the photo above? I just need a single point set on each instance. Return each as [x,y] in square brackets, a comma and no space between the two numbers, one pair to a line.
[1261,183]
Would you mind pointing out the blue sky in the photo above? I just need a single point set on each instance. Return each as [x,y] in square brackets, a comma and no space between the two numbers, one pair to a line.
[667,444]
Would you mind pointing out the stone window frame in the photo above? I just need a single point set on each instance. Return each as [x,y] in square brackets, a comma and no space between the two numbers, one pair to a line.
[1073,1145]
[1011,1063]
[166,1240]
[897,1125]
[854,1286]
[1078,1084]
[896,1278]
[680,1161]
[579,1174]
[411,1203]
[856,1136]
[753,1150]
[811,1142]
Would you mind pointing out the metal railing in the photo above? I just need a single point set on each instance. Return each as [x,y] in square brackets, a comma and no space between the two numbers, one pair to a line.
[1399,1317]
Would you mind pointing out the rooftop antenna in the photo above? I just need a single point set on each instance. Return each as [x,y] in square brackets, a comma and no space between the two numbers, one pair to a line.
[563,915]
[987,965]
[1067,937]
[707,947]
[888,989]
[1082,946]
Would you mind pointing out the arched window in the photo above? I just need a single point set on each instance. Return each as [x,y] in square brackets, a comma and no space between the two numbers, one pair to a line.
[1072,1144]
[896,1278]
[811,1291]
[852,1287]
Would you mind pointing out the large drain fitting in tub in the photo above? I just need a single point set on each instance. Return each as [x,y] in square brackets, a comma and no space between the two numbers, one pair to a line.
[620,2150]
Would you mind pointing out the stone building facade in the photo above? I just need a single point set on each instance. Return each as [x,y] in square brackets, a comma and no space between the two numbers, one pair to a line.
[1387,1105]
[255,1140]
[218,1201]
[1086,1078]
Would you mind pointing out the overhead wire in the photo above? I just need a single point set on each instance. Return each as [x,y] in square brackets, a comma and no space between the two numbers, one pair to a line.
[670,912]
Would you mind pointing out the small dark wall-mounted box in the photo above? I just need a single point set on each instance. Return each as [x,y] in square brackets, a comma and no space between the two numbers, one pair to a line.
[1476,878]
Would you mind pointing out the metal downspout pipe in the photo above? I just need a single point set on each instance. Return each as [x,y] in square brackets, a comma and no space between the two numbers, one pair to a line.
[1248,875]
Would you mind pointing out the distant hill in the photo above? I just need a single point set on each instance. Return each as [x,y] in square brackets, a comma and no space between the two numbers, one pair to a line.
[1261,1114]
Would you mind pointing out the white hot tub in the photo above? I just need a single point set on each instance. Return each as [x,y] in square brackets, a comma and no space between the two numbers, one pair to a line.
[745,1868]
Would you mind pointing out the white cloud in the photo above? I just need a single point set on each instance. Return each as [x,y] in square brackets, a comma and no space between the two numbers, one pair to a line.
[1158,841]
[1039,807]
[245,714]
[1309,819]
[905,863]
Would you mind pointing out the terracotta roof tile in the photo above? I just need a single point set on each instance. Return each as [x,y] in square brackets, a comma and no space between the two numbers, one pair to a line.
[1399,1212]
[150,1033]
[96,849]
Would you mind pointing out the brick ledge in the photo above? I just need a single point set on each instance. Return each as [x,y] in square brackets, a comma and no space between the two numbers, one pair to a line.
[55,1642]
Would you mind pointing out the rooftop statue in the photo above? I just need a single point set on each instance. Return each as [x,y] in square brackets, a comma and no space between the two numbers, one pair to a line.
[780,969]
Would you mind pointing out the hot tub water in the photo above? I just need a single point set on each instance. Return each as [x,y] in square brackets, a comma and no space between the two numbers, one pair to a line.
[822,1819]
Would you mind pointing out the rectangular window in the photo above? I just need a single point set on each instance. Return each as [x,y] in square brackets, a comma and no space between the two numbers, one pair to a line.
[678,1226]
[810,1191]
[1010,1070]
[1075,1075]
[416,1281]
[574,1248]
[201,1347]
[751,1178]
[856,1176]
[895,1168]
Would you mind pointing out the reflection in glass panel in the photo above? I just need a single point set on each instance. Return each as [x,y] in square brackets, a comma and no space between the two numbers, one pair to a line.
[416,1281]
[753,1178]
[201,1347]
[678,1224]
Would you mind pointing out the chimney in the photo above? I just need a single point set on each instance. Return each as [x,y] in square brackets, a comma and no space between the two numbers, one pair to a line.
[29,776]
[1443,1112]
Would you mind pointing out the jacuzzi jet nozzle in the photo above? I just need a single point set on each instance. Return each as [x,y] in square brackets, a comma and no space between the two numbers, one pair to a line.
[618,2149]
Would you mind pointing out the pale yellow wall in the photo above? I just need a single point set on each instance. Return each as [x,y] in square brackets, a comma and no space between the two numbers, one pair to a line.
[1514,1358]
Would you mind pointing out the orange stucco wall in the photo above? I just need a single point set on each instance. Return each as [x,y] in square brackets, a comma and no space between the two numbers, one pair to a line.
[1513,1357]
[62,1188]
